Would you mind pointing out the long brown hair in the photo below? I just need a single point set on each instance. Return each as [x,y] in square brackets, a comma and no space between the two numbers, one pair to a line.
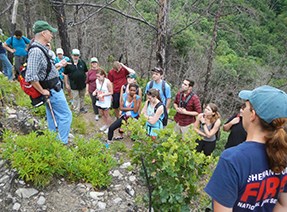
[276,143]
[214,109]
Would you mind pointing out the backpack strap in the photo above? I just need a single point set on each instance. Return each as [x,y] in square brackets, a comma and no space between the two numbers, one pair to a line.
[151,84]
[162,87]
[184,103]
[125,87]
[49,65]
[156,107]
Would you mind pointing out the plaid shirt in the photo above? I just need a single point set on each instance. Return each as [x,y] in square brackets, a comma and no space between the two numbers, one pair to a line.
[192,105]
[37,65]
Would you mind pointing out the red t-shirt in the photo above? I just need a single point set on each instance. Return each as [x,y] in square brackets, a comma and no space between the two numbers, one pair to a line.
[192,105]
[91,79]
[118,78]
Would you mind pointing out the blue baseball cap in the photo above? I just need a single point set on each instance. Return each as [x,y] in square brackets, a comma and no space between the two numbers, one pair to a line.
[268,102]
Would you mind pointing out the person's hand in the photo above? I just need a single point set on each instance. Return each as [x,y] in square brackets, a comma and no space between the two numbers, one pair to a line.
[202,119]
[13,51]
[235,120]
[46,92]
[63,63]
[179,110]
[183,111]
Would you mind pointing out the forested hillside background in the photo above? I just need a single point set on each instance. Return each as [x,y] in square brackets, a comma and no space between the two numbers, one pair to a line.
[223,45]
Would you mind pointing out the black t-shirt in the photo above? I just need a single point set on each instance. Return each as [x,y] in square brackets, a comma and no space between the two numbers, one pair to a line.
[237,133]
[77,75]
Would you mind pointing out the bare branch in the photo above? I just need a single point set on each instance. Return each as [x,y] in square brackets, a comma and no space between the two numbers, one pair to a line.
[106,7]
[8,7]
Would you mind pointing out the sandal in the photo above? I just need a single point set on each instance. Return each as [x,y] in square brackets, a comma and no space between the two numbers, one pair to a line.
[119,138]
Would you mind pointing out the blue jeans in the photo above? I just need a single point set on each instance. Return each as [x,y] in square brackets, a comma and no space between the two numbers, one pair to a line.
[63,115]
[7,66]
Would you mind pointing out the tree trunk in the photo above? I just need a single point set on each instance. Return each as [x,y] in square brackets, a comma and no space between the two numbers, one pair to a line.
[161,33]
[62,26]
[79,28]
[14,16]
[210,54]
[27,18]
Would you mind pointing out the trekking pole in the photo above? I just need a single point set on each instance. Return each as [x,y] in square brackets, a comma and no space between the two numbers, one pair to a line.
[148,184]
[53,116]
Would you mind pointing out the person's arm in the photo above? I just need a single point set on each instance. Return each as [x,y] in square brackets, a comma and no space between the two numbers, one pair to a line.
[137,104]
[67,85]
[110,89]
[121,92]
[39,88]
[131,71]
[140,93]
[8,48]
[144,109]
[168,103]
[230,123]
[211,132]
[217,207]
[281,205]
[155,118]
[197,125]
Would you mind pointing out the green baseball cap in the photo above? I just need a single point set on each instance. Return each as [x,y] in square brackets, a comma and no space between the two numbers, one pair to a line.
[40,26]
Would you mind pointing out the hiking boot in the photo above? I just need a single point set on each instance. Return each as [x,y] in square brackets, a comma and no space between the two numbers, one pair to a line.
[83,110]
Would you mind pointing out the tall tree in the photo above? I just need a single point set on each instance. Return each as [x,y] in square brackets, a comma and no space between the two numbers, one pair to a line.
[58,7]
[161,33]
[210,54]
[27,18]
[14,16]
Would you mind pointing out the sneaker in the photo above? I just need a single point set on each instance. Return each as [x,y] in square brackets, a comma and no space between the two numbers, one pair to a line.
[83,110]
[106,131]
[103,128]
[71,136]
[97,117]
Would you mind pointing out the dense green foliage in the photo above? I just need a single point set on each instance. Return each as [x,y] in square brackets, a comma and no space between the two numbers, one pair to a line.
[39,158]
[176,172]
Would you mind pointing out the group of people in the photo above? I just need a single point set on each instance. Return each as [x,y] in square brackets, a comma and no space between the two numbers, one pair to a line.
[251,176]
[17,46]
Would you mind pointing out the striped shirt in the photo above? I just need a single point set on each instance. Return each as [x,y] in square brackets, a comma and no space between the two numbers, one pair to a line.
[37,65]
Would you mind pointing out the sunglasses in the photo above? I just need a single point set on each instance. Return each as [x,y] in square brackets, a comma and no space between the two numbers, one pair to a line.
[150,94]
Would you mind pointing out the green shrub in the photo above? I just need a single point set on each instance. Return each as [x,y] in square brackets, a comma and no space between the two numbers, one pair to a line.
[177,173]
[79,124]
[40,158]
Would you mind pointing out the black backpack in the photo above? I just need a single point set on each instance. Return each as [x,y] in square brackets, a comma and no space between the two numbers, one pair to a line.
[164,120]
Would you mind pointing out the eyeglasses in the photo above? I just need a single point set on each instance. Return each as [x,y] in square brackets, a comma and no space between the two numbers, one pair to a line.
[76,55]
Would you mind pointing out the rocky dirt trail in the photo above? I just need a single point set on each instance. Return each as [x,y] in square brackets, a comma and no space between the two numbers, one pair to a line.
[124,194]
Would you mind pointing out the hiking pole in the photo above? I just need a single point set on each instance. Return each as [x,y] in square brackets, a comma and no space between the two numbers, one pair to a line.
[53,116]
[149,187]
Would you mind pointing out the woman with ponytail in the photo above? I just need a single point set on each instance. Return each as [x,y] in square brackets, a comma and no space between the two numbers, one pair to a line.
[253,175]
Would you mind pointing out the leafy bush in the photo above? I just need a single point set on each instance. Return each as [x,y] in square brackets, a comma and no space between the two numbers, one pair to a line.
[176,172]
[40,158]
[91,162]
